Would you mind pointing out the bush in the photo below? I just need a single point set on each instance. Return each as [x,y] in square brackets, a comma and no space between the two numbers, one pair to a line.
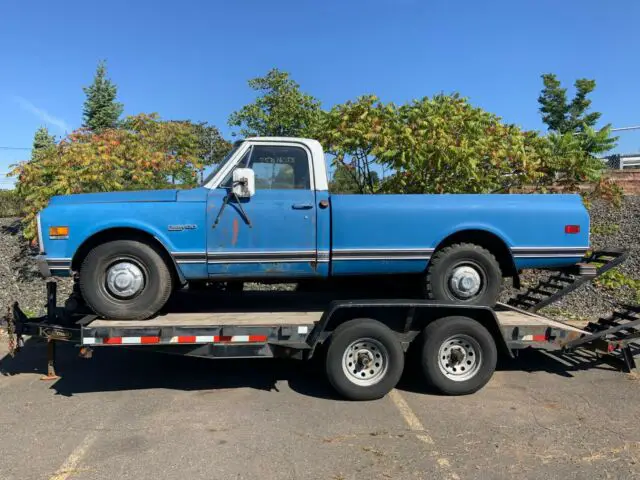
[146,153]
[9,204]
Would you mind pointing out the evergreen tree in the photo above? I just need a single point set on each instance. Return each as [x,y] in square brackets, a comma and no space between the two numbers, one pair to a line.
[42,139]
[101,110]
[564,117]
[281,110]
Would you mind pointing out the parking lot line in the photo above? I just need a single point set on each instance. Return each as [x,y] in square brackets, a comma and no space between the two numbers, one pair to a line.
[409,417]
[414,424]
[70,465]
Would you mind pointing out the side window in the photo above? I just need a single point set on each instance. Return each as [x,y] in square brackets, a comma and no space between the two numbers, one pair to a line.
[280,168]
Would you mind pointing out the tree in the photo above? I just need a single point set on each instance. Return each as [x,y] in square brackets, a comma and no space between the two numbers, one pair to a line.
[356,135]
[444,144]
[573,117]
[280,110]
[42,140]
[211,144]
[343,181]
[144,153]
[101,110]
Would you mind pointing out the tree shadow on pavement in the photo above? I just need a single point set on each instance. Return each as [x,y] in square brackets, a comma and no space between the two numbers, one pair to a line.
[122,369]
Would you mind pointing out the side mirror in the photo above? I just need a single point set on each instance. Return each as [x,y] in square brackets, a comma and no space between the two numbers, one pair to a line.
[244,182]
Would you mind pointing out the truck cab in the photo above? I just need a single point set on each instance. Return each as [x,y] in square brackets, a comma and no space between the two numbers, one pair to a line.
[280,226]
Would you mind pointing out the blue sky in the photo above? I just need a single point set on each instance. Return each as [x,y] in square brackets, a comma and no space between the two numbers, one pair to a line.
[192,59]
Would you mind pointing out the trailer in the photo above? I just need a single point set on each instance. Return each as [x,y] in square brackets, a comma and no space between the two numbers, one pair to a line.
[363,343]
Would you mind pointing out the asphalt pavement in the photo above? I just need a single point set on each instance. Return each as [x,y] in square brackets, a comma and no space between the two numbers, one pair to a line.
[130,414]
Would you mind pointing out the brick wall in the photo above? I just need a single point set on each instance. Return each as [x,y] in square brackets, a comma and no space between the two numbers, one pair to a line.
[628,180]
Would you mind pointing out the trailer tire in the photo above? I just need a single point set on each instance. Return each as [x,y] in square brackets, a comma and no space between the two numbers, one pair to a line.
[464,273]
[125,280]
[364,360]
[465,341]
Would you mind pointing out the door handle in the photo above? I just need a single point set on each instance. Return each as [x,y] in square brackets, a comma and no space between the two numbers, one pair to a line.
[302,206]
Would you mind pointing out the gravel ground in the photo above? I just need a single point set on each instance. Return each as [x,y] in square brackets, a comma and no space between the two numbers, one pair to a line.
[21,281]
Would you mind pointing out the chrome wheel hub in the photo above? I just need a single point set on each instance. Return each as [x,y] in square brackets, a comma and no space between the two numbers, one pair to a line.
[460,357]
[125,279]
[365,362]
[465,282]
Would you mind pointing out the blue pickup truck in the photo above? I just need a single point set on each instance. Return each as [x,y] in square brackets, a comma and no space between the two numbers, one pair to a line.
[266,214]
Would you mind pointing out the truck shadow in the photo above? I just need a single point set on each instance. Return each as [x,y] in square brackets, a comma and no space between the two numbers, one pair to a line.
[122,369]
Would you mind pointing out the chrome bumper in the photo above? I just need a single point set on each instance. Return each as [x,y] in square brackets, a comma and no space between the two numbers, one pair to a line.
[43,266]
[50,267]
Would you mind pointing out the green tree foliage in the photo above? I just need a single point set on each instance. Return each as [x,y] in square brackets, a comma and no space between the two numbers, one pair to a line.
[281,109]
[211,144]
[42,140]
[146,153]
[101,110]
[357,134]
[444,144]
[343,181]
[564,117]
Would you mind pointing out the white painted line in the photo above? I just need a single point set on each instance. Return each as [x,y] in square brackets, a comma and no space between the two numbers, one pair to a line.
[415,424]
[70,465]
[409,417]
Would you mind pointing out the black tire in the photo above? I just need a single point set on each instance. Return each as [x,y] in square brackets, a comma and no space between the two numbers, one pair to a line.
[381,343]
[474,340]
[454,257]
[150,297]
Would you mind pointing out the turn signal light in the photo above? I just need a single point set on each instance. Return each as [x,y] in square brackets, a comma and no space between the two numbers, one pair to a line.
[58,232]
[572,229]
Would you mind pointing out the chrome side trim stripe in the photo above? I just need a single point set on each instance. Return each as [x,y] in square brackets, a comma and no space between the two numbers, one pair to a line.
[292,256]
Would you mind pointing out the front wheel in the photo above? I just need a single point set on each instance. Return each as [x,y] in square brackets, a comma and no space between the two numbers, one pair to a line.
[458,355]
[125,280]
[364,360]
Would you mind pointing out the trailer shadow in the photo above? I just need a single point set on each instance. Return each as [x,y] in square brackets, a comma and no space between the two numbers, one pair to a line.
[566,365]
[123,369]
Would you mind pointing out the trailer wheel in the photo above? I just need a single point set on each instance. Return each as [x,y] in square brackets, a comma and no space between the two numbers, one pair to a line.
[364,360]
[125,280]
[458,355]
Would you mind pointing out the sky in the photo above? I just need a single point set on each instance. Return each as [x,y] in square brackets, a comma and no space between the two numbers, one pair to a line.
[192,59]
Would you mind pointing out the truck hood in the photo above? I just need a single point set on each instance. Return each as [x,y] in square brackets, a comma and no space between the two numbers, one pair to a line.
[116,197]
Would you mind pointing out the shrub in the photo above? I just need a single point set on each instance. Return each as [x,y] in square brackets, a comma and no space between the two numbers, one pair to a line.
[9,204]
[146,153]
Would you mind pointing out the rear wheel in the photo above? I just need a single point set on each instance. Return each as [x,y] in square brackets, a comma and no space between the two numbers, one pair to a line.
[458,355]
[364,360]
[464,273]
[125,280]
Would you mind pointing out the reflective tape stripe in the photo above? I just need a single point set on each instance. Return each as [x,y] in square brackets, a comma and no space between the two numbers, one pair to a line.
[534,338]
[179,339]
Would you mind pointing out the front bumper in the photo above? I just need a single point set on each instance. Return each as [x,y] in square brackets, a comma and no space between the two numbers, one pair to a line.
[43,266]
[50,267]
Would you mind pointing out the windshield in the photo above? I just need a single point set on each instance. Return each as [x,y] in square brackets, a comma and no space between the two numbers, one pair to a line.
[222,163]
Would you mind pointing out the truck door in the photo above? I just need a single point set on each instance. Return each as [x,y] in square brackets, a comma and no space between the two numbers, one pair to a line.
[274,233]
